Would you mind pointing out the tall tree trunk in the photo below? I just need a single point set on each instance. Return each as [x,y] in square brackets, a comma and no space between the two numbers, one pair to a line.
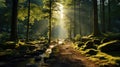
[28,25]
[109,16]
[0,26]
[103,15]
[14,36]
[79,19]
[96,31]
[50,18]
[74,18]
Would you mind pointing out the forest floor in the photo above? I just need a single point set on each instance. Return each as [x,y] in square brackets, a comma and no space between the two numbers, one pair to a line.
[69,57]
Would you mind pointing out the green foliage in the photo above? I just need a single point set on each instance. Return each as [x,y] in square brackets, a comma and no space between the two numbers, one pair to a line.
[35,13]
[22,13]
[22,1]
[2,3]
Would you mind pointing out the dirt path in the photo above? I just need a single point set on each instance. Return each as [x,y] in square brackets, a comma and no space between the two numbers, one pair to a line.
[69,57]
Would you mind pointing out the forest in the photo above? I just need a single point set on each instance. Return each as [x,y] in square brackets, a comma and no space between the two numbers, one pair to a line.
[59,33]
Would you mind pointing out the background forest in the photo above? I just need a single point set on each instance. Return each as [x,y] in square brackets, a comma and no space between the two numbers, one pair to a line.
[78,17]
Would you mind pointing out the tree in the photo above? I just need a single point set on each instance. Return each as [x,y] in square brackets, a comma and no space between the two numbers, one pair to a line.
[50,17]
[102,15]
[27,34]
[79,17]
[109,16]
[96,31]
[14,36]
[74,18]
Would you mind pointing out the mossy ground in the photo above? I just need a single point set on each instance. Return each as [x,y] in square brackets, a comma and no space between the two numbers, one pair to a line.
[104,51]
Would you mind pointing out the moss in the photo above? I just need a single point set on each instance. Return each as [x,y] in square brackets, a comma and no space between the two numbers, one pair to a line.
[91,51]
[10,44]
[77,37]
[111,46]
[97,41]
[89,45]
[104,40]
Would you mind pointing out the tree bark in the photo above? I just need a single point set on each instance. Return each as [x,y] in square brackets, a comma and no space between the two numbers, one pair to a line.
[14,36]
[74,18]
[103,16]
[96,31]
[109,16]
[50,17]
[79,19]
[28,25]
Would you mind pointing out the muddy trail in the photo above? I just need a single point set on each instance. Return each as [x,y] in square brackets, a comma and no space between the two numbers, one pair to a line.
[69,57]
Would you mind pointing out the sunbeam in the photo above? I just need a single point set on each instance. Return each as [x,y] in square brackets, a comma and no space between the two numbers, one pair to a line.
[62,30]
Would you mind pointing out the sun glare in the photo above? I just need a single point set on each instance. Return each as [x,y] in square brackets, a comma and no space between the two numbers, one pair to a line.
[61,11]
[62,31]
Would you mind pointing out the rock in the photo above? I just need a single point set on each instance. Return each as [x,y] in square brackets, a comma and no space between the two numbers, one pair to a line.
[92,52]
[102,58]
[111,46]
[80,44]
[105,40]
[38,58]
[96,41]
[89,45]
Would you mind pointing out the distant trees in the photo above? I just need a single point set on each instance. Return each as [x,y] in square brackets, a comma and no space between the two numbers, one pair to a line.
[79,17]
[13,35]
